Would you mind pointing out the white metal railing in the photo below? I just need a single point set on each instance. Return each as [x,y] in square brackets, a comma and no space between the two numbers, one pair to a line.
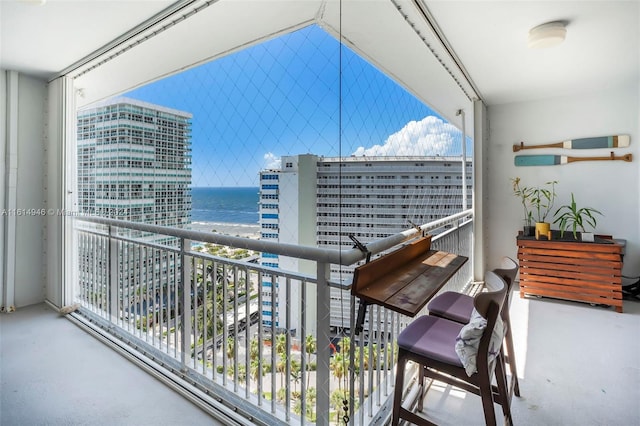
[199,315]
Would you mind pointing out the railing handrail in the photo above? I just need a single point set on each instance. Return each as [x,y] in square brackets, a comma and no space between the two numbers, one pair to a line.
[325,255]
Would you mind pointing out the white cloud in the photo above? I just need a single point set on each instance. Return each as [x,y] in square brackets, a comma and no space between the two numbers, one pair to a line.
[271,162]
[427,137]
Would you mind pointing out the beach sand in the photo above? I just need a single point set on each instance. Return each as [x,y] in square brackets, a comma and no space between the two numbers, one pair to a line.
[234,229]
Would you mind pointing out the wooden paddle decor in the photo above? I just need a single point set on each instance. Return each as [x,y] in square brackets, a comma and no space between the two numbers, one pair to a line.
[554,160]
[617,141]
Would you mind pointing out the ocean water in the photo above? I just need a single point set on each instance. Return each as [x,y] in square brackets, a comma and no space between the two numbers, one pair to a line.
[225,205]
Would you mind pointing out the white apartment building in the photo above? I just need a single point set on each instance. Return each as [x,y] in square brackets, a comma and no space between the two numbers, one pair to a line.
[134,162]
[318,201]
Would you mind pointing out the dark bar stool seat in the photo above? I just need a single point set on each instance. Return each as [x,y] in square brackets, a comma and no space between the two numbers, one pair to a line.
[452,305]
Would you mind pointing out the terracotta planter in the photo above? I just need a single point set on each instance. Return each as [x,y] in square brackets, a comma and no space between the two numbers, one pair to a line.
[544,229]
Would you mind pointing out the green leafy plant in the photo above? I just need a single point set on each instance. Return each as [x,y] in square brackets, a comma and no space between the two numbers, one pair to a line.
[542,199]
[570,216]
[524,194]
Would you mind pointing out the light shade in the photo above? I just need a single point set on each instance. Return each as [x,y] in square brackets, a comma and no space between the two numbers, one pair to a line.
[547,35]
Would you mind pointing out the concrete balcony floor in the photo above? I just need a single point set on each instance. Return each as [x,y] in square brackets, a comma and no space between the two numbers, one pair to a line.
[54,373]
[578,365]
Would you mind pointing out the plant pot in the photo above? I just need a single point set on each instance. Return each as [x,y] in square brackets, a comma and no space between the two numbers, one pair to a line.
[544,229]
[587,236]
[529,231]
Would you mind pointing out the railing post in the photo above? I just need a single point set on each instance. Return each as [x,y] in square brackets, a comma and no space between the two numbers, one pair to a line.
[458,245]
[186,305]
[112,281]
[323,306]
[464,160]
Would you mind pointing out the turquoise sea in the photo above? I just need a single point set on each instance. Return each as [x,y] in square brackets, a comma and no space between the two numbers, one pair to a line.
[225,205]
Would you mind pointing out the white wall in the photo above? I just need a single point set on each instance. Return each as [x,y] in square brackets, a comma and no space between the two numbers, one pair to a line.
[29,244]
[3,183]
[27,251]
[609,186]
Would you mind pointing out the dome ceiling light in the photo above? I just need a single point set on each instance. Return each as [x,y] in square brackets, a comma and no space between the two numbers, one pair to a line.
[547,35]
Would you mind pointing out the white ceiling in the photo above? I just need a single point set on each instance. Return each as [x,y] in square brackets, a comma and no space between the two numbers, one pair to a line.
[602,48]
[42,40]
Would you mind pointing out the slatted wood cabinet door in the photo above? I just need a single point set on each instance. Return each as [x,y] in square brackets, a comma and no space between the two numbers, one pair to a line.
[571,270]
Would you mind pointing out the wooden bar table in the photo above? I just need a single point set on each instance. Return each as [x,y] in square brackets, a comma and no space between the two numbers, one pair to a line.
[406,279]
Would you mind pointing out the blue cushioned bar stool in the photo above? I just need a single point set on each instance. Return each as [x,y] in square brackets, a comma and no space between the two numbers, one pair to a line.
[468,356]
[458,307]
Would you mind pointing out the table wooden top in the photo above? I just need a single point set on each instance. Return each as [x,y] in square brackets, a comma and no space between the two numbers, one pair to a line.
[406,288]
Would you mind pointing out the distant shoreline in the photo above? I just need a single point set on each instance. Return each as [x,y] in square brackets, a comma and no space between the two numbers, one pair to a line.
[226,187]
[246,230]
[226,206]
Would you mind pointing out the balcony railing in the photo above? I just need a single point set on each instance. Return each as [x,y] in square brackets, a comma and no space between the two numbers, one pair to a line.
[256,339]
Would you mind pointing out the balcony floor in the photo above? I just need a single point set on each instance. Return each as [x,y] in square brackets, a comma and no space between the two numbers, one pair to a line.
[578,365]
[54,373]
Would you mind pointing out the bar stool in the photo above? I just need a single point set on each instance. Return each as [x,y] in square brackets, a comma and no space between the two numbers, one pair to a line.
[458,307]
[431,342]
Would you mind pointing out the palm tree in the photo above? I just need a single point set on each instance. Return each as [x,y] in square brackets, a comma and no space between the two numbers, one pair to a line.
[242,373]
[310,409]
[281,344]
[338,365]
[345,344]
[281,367]
[337,399]
[296,374]
[339,362]
[254,369]
[281,351]
[374,356]
[231,348]
[365,358]
[310,348]
[254,349]
[310,402]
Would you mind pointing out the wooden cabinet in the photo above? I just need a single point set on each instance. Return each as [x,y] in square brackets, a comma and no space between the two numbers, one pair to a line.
[571,270]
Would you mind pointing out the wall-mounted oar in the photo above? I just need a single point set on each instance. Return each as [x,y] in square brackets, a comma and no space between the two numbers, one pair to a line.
[617,141]
[553,160]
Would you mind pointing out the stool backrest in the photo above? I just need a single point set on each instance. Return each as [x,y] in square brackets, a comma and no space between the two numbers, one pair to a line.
[489,305]
[496,295]
[507,271]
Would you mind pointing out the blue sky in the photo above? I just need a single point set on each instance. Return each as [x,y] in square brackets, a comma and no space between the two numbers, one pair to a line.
[295,94]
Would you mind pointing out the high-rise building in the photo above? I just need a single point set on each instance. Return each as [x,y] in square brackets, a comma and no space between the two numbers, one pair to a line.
[134,162]
[318,201]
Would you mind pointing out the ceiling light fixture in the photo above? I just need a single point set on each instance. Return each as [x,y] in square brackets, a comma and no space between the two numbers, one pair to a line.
[547,35]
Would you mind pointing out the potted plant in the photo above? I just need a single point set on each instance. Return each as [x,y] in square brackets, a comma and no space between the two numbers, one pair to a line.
[570,216]
[542,200]
[524,194]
